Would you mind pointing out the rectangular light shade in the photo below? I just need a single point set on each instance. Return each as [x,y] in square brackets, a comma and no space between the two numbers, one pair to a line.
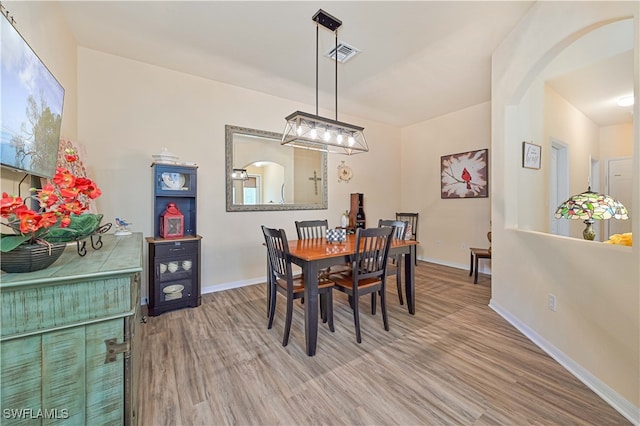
[239,174]
[309,131]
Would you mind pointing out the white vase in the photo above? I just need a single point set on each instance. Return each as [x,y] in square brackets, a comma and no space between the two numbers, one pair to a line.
[344,220]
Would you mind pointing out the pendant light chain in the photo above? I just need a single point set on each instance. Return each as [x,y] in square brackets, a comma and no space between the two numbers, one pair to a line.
[336,50]
[317,36]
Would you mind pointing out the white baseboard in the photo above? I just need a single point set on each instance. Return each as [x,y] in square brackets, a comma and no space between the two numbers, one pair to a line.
[481,268]
[611,397]
[260,280]
[234,284]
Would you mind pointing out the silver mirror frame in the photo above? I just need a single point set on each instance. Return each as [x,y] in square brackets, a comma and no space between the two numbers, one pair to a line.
[230,131]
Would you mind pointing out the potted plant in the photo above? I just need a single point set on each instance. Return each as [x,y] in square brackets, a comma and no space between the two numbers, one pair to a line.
[44,231]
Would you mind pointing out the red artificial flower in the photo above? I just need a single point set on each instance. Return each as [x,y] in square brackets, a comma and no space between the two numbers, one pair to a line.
[9,204]
[47,196]
[82,184]
[48,219]
[70,155]
[65,221]
[74,206]
[69,194]
[64,178]
[29,221]
[93,191]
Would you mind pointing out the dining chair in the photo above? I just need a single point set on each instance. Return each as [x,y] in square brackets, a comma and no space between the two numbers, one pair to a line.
[479,253]
[395,266]
[412,225]
[309,229]
[284,282]
[368,273]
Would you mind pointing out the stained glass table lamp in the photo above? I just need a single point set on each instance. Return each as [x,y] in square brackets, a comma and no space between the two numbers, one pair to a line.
[590,206]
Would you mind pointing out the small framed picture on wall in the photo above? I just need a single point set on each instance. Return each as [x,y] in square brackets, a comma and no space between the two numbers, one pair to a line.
[531,155]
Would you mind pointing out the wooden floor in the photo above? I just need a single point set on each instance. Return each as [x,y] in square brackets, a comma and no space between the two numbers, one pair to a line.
[456,362]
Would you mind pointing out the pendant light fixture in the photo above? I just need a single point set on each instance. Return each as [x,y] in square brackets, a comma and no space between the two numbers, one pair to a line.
[239,174]
[304,130]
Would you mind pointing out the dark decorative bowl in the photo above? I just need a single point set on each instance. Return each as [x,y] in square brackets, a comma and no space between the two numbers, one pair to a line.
[31,257]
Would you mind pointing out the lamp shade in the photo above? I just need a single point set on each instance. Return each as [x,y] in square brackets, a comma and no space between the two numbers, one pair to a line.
[590,206]
[304,130]
[239,174]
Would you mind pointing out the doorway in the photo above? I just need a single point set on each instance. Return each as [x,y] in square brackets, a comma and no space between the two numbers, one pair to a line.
[558,185]
[619,187]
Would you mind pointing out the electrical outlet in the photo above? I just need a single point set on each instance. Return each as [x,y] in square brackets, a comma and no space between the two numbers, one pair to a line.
[439,243]
[551,302]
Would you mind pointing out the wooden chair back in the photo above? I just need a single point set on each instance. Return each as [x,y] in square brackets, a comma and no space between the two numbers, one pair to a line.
[278,254]
[400,225]
[309,229]
[412,220]
[368,272]
[372,251]
[396,261]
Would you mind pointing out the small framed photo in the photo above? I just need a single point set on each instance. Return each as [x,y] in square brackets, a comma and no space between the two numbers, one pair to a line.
[531,155]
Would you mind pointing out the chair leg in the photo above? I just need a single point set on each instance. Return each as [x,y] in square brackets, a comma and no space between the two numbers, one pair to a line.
[374,302]
[271,311]
[329,310]
[356,318]
[399,280]
[383,307]
[270,287]
[287,323]
[470,263]
[475,279]
[268,297]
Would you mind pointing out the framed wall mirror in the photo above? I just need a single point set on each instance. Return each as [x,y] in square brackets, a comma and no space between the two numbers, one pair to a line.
[263,175]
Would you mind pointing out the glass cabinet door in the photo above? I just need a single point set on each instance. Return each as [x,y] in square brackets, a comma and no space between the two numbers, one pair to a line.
[179,181]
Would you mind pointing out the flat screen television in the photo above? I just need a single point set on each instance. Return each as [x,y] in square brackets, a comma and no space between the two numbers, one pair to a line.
[31,107]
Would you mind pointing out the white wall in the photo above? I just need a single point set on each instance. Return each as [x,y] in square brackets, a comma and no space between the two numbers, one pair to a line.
[595,331]
[564,122]
[129,110]
[447,227]
[616,141]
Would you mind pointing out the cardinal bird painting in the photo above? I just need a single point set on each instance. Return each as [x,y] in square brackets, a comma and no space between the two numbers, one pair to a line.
[464,175]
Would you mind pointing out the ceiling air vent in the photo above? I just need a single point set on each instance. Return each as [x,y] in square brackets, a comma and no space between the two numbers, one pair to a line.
[345,52]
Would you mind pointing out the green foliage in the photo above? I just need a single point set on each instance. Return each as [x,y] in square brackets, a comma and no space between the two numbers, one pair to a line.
[81,226]
[9,241]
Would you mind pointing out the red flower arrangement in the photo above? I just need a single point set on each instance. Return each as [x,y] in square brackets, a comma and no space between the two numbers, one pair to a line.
[59,200]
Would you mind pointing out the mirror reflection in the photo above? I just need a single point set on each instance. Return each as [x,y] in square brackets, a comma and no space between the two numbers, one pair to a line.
[263,175]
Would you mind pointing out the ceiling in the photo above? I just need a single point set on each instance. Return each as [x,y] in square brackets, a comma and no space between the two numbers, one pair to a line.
[418,60]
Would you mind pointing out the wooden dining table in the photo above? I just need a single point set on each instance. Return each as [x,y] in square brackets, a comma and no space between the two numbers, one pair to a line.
[315,254]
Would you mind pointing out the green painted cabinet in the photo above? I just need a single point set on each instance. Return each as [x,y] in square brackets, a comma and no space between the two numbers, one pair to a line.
[68,338]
